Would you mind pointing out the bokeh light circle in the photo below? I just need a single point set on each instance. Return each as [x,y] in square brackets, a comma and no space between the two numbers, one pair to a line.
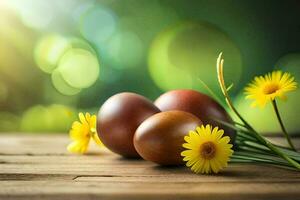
[125,49]
[187,51]
[50,48]
[62,117]
[61,85]
[79,68]
[48,51]
[35,14]
[78,43]
[72,61]
[98,24]
[36,118]
[290,63]
[82,8]
[53,118]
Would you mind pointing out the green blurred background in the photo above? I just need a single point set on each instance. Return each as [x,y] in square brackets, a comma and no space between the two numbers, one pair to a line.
[60,57]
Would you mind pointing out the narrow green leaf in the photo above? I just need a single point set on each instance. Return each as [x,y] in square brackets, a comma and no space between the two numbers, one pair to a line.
[229,87]
[212,93]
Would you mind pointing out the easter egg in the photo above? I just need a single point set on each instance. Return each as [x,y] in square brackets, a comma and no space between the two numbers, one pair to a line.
[118,119]
[201,105]
[160,137]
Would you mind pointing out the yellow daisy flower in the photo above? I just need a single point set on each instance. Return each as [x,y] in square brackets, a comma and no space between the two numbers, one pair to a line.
[81,133]
[267,88]
[207,151]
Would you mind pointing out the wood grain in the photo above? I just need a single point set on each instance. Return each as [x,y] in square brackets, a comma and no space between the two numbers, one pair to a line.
[38,167]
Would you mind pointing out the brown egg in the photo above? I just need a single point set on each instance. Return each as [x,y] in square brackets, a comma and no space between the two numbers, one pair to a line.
[201,105]
[119,117]
[160,137]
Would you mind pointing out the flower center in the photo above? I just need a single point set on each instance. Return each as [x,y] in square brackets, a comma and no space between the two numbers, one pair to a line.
[208,150]
[270,88]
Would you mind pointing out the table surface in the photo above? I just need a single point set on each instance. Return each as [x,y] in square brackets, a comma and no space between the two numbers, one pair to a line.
[38,167]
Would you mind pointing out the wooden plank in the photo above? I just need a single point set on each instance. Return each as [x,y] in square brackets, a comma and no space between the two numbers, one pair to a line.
[153,190]
[38,167]
[33,144]
[143,169]
[53,144]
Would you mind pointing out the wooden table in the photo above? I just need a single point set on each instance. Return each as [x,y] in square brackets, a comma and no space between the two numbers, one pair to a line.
[38,167]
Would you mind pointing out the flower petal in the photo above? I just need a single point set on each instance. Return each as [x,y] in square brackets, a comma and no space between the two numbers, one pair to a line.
[196,160]
[269,87]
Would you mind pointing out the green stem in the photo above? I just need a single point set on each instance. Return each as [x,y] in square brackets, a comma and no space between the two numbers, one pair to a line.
[293,154]
[282,126]
[283,155]
[255,150]
[276,150]
[222,84]
[239,159]
[267,158]
[241,130]
[244,136]
[250,144]
[260,138]
[230,104]
[239,124]
[211,92]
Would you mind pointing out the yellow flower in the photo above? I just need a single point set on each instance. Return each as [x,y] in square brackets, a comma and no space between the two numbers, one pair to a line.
[81,133]
[207,151]
[267,88]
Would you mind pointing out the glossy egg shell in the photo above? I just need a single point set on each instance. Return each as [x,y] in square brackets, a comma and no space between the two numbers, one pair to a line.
[119,117]
[201,105]
[160,137]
